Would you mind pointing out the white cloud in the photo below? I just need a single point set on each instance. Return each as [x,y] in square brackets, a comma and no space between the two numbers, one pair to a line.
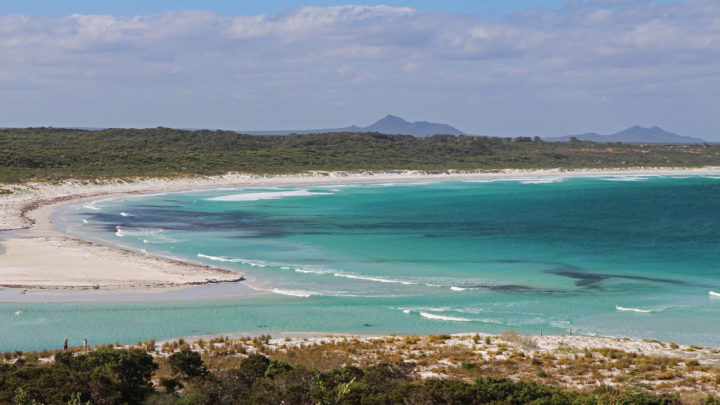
[195,68]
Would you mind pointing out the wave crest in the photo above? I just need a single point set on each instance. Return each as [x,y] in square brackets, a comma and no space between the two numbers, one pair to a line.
[253,263]
[443,317]
[294,293]
[645,311]
[268,195]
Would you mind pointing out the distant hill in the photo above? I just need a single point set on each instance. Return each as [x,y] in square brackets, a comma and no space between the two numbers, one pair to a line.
[636,134]
[391,124]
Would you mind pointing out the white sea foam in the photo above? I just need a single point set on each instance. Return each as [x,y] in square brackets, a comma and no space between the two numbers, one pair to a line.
[714,294]
[310,271]
[377,279]
[85,221]
[542,180]
[306,294]
[294,293]
[425,309]
[645,311]
[457,288]
[160,239]
[405,183]
[522,180]
[125,214]
[93,204]
[353,276]
[126,231]
[152,235]
[254,263]
[496,322]
[624,178]
[483,181]
[271,195]
[469,310]
[443,317]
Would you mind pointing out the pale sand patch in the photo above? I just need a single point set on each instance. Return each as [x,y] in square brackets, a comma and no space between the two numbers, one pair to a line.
[528,344]
[44,258]
[57,261]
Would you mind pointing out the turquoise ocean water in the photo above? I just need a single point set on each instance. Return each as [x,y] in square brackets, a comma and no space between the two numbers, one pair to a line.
[631,256]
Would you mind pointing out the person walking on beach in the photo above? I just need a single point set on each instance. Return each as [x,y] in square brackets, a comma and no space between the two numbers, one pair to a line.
[85,345]
[65,344]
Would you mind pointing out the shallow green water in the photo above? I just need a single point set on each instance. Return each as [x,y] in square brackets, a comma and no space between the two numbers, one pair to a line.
[619,256]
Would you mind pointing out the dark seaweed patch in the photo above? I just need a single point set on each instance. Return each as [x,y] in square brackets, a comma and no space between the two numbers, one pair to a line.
[514,289]
[591,280]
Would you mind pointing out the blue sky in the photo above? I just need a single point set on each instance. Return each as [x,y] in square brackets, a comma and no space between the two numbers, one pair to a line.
[505,68]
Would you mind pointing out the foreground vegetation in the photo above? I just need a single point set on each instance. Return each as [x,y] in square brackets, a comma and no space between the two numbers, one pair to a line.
[437,369]
[120,376]
[53,153]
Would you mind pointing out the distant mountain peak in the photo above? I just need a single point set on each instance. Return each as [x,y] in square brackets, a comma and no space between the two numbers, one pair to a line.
[391,119]
[634,134]
[392,124]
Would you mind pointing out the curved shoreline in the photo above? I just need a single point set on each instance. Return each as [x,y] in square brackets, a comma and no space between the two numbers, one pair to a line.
[40,257]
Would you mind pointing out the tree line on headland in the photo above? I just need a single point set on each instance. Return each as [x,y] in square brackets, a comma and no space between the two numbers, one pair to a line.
[55,153]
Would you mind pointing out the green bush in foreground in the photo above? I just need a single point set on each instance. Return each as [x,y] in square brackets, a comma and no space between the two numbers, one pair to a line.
[123,376]
[105,376]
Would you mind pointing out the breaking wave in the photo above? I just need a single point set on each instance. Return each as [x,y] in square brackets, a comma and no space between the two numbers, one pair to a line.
[542,180]
[122,232]
[645,311]
[443,317]
[376,279]
[624,178]
[151,235]
[254,263]
[270,195]
[294,293]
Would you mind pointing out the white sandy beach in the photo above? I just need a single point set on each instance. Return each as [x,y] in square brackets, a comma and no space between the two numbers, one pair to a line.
[41,257]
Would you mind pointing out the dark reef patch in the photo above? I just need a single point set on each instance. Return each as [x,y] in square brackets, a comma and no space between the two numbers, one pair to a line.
[591,280]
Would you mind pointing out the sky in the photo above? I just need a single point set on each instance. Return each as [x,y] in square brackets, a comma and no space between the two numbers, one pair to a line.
[487,67]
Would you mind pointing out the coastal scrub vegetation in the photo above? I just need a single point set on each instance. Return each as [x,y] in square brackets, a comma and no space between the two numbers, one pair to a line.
[348,370]
[123,376]
[55,153]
